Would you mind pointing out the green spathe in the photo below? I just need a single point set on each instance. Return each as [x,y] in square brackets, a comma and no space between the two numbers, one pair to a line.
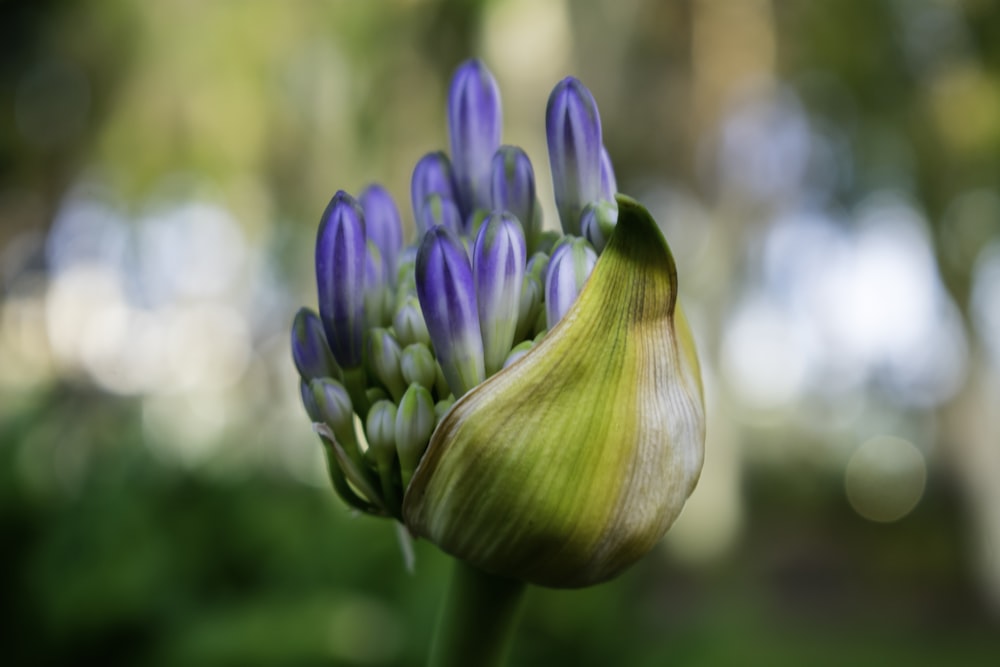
[569,465]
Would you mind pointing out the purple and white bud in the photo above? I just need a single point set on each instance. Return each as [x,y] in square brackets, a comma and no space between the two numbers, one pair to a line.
[573,128]
[310,351]
[513,188]
[475,122]
[447,297]
[341,258]
[382,224]
[436,210]
[597,222]
[498,262]
[568,270]
[433,175]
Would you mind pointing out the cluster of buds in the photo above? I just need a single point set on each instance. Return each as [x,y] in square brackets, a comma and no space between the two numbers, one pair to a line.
[527,400]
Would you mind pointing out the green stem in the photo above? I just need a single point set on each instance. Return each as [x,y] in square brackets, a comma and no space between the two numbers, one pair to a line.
[477,620]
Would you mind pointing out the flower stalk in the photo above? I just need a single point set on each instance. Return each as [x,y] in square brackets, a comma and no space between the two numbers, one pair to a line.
[477,620]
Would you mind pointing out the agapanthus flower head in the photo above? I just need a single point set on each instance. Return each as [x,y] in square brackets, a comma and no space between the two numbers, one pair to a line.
[528,400]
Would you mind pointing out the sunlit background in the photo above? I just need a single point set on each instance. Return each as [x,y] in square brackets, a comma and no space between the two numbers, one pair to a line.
[827,174]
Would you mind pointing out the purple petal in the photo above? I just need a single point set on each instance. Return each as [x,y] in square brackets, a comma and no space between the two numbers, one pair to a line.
[573,127]
[568,270]
[382,224]
[448,300]
[513,186]
[474,126]
[437,210]
[498,262]
[310,351]
[433,175]
[341,256]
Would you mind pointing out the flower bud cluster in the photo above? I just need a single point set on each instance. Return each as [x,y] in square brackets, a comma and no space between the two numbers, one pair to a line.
[402,332]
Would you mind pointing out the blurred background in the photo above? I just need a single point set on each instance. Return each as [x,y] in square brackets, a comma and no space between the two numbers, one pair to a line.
[827,174]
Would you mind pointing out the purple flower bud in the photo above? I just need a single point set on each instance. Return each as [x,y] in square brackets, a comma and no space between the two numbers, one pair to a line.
[573,126]
[432,176]
[309,348]
[437,210]
[474,126]
[568,270]
[448,300]
[514,187]
[597,222]
[309,402]
[498,271]
[382,224]
[341,256]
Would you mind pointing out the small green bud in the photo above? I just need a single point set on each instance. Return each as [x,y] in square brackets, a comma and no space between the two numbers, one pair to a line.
[442,407]
[409,324]
[380,427]
[383,355]
[418,366]
[529,307]
[414,423]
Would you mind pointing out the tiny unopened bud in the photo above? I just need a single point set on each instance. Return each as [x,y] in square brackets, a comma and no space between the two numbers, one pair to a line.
[418,366]
[310,351]
[518,352]
[384,357]
[437,210]
[597,222]
[448,301]
[498,271]
[513,189]
[409,323]
[433,175]
[380,428]
[568,270]
[414,423]
[382,224]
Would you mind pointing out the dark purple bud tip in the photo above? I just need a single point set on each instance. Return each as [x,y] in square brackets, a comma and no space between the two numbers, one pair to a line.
[341,255]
